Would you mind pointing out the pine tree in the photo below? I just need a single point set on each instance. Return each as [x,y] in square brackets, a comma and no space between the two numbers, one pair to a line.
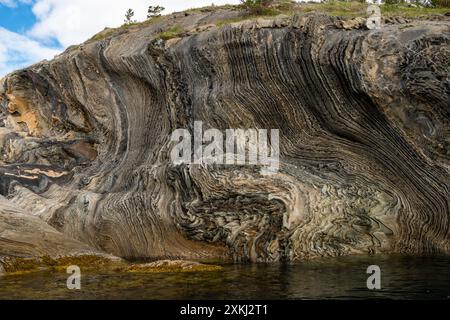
[154,11]
[129,16]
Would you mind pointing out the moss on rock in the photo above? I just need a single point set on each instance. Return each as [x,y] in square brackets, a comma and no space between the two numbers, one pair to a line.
[172,266]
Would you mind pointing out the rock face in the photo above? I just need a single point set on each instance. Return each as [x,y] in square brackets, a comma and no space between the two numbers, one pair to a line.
[23,234]
[364,139]
[27,242]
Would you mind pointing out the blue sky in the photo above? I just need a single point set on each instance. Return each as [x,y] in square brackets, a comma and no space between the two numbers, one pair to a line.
[17,19]
[16,48]
[33,30]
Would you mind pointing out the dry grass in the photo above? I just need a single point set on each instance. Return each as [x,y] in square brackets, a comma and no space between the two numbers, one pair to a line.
[334,8]
[358,9]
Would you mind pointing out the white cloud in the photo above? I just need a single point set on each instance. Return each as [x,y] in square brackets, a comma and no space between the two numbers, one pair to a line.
[17,51]
[8,3]
[75,21]
[13,3]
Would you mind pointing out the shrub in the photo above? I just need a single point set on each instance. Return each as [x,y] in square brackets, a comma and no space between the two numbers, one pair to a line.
[129,17]
[173,32]
[440,3]
[257,7]
[154,11]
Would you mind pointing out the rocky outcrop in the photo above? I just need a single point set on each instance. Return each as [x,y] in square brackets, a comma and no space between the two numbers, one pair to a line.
[28,243]
[364,136]
[28,235]
[172,266]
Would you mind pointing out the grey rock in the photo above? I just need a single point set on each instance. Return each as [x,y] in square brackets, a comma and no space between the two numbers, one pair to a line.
[364,128]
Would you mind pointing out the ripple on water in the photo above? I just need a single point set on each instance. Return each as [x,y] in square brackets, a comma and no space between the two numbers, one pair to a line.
[402,277]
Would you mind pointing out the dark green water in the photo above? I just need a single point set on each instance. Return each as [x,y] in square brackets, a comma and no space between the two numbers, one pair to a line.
[402,277]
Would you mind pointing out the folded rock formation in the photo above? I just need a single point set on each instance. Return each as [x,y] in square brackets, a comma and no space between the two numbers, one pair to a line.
[363,115]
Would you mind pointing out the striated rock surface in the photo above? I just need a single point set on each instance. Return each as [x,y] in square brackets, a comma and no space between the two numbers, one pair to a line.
[22,234]
[364,136]
[28,243]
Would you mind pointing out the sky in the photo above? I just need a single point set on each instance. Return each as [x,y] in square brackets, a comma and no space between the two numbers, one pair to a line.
[33,30]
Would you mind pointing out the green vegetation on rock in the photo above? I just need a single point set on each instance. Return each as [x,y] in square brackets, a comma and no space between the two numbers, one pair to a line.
[174,32]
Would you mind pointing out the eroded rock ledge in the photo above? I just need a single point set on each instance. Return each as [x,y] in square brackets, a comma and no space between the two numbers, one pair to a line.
[364,133]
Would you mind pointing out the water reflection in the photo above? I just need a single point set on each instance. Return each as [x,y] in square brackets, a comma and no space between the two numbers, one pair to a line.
[402,277]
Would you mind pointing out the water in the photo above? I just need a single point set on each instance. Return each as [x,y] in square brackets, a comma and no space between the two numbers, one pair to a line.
[402,277]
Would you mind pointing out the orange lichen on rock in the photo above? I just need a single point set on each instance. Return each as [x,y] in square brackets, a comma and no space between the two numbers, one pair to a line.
[22,113]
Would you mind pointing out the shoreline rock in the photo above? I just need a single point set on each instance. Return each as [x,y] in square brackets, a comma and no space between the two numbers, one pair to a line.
[364,157]
[172,266]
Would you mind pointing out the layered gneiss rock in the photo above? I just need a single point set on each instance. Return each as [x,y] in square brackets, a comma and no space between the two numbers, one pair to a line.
[28,244]
[363,119]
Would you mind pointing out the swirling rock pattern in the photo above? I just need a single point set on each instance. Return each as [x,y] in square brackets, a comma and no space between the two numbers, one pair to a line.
[364,139]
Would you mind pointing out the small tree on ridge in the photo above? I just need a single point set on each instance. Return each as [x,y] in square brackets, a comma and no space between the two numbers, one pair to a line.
[129,16]
[154,11]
